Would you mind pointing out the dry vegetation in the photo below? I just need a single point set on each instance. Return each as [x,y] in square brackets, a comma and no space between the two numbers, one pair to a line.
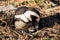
[49,23]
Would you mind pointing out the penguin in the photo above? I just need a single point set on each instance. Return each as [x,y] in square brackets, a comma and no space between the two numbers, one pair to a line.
[24,16]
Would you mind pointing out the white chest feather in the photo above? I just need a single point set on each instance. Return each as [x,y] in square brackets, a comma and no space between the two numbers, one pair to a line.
[29,13]
[21,17]
[26,15]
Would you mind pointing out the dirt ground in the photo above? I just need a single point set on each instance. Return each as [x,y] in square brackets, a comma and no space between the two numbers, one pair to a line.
[49,27]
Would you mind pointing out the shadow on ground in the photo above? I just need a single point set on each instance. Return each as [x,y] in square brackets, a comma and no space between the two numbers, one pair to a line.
[49,21]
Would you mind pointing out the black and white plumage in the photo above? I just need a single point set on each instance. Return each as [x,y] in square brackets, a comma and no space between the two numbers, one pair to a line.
[26,15]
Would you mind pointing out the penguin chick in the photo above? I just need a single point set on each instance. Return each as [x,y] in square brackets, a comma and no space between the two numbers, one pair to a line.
[26,15]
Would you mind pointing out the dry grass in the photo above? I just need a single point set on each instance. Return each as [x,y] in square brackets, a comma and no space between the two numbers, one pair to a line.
[46,33]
